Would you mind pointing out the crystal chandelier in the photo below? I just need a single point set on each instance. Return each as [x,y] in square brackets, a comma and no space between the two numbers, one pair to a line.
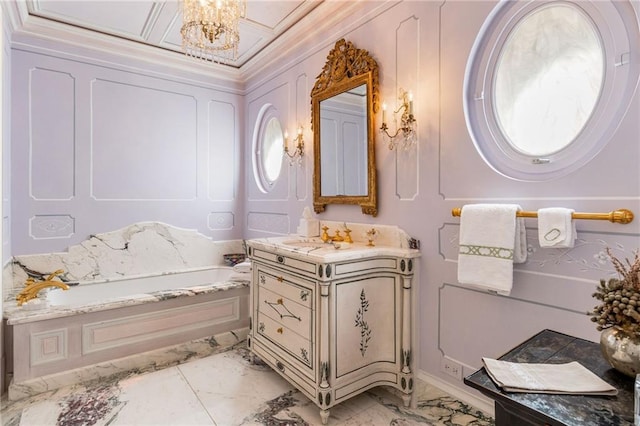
[210,28]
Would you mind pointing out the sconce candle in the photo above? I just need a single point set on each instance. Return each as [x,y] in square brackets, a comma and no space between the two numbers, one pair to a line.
[410,103]
[384,112]
[298,152]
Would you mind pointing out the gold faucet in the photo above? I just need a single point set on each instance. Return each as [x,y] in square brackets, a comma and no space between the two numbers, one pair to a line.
[326,238]
[31,288]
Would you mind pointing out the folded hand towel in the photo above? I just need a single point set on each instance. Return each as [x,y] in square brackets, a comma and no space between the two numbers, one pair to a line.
[243,266]
[240,276]
[556,228]
[491,240]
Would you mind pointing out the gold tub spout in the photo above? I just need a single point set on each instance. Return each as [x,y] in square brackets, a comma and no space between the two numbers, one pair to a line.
[32,288]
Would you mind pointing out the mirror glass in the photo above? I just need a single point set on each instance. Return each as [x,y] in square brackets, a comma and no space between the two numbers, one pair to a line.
[548,79]
[343,131]
[344,100]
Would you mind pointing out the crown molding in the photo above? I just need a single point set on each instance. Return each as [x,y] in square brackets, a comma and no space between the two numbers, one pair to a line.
[36,34]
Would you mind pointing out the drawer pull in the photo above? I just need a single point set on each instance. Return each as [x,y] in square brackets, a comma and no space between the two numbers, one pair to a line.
[280,366]
[279,301]
[279,331]
[280,279]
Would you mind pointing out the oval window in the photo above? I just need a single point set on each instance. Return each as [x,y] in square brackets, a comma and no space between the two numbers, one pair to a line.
[268,148]
[548,79]
[547,84]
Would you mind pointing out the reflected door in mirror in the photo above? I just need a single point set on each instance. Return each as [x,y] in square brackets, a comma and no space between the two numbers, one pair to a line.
[343,135]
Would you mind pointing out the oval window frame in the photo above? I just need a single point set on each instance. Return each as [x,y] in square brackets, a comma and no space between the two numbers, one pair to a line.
[267,113]
[618,34]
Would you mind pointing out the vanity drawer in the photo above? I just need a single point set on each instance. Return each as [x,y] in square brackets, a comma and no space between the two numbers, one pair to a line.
[301,265]
[286,286]
[292,315]
[294,344]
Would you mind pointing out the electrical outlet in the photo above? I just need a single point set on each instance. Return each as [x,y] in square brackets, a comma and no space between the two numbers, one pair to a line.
[451,367]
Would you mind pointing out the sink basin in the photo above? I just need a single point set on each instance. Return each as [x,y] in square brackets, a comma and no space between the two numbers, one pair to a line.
[306,244]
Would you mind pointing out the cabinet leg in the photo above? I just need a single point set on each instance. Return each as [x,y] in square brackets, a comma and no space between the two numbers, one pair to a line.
[406,399]
[324,416]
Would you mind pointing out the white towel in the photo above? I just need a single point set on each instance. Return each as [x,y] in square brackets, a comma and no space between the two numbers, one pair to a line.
[556,228]
[492,238]
[240,276]
[243,266]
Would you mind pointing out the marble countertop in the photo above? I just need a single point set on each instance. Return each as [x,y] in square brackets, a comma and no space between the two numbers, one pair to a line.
[316,250]
[19,315]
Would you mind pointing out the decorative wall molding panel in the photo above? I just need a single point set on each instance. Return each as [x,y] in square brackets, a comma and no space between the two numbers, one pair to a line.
[113,147]
[48,346]
[127,331]
[52,116]
[408,72]
[51,226]
[271,223]
[221,220]
[155,155]
[224,152]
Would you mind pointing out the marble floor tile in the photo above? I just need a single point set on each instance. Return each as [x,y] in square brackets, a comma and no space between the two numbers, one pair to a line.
[226,389]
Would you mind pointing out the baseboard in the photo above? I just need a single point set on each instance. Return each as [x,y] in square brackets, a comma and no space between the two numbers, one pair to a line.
[481,403]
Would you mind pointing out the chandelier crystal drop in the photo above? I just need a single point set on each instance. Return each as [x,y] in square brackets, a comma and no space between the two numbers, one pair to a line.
[210,29]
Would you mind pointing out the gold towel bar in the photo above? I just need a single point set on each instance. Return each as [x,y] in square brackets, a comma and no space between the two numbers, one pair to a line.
[623,216]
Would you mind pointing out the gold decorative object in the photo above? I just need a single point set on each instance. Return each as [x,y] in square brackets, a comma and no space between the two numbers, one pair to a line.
[408,138]
[622,216]
[347,235]
[32,288]
[346,68]
[372,234]
[210,28]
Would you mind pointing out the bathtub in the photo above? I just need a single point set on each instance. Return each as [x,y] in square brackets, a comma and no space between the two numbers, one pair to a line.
[96,329]
[90,293]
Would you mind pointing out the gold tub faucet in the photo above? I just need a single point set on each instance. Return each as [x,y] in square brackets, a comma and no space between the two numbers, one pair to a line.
[32,288]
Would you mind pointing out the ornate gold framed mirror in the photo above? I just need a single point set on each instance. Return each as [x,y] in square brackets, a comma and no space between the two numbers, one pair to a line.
[344,100]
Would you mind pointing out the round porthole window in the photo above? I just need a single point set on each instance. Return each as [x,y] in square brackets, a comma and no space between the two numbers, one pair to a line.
[268,148]
[547,83]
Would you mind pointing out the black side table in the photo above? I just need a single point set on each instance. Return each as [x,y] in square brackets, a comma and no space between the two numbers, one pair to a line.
[516,409]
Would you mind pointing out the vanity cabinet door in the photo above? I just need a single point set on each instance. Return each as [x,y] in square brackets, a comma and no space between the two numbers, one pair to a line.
[368,325]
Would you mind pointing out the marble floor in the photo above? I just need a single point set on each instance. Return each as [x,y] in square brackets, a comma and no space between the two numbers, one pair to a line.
[225,389]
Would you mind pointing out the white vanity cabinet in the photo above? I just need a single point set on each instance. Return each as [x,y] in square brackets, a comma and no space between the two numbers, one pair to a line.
[333,328]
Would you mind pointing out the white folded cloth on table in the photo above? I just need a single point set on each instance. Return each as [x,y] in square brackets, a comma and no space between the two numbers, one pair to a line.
[492,239]
[243,266]
[556,227]
[570,378]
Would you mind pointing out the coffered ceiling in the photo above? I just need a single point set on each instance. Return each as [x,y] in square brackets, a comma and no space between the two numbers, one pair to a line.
[157,23]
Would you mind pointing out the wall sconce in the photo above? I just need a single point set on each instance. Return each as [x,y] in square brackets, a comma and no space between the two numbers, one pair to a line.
[408,136]
[298,151]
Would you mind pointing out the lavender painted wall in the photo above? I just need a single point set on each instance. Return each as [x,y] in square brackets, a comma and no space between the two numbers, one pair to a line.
[423,47]
[97,146]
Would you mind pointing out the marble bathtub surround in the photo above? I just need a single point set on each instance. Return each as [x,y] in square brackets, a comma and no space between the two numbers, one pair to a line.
[226,389]
[18,315]
[137,250]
